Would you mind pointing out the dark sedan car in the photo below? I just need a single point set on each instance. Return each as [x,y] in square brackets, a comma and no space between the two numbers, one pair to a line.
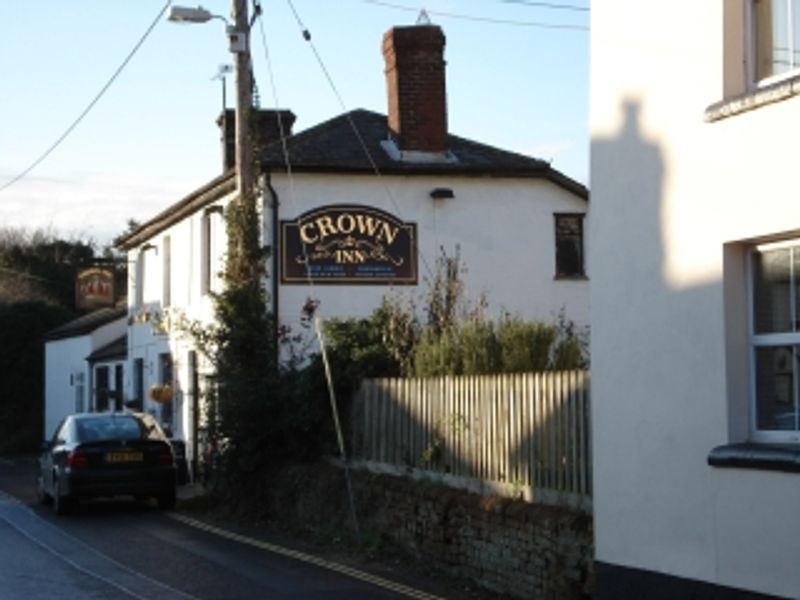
[97,455]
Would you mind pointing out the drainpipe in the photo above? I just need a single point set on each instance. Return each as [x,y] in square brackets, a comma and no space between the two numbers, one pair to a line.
[274,257]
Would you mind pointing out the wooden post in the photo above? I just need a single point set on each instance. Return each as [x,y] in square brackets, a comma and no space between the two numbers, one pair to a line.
[244,98]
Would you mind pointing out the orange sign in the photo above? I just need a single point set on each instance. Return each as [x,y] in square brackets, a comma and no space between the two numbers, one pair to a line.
[95,288]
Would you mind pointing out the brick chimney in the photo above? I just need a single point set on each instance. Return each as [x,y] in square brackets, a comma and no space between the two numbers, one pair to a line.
[415,84]
[265,129]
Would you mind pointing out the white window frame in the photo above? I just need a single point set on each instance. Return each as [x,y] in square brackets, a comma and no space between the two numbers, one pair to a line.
[752,52]
[211,245]
[166,272]
[205,253]
[756,340]
[138,301]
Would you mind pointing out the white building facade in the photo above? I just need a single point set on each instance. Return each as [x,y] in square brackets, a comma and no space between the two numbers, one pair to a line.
[83,371]
[350,219]
[695,235]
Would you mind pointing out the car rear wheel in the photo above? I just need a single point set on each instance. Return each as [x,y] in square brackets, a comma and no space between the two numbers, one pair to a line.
[61,503]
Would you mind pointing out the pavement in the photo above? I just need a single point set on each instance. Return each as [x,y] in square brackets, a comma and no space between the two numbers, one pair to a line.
[188,491]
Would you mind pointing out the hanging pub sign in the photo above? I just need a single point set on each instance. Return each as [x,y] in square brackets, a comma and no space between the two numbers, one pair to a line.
[347,244]
[94,287]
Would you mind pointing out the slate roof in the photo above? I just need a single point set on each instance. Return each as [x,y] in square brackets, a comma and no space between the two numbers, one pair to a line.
[334,147]
[87,323]
[117,349]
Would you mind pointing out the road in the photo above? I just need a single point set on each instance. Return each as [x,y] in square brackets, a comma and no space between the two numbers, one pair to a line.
[121,549]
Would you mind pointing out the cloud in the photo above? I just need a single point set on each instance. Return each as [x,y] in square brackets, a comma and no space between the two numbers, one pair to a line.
[92,206]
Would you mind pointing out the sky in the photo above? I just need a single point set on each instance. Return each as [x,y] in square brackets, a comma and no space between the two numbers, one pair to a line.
[516,79]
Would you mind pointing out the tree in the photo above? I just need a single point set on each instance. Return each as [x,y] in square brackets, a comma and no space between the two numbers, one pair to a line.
[38,266]
[37,294]
[267,414]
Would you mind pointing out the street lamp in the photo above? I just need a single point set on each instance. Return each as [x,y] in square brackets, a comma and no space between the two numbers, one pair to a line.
[182,14]
[239,46]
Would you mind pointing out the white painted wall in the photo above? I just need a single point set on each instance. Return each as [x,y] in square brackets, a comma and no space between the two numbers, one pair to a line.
[187,300]
[68,377]
[67,382]
[505,229]
[670,192]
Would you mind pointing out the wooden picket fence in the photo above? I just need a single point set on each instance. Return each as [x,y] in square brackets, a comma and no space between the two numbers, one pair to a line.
[521,435]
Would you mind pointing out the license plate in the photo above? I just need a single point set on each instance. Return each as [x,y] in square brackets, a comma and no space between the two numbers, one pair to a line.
[124,457]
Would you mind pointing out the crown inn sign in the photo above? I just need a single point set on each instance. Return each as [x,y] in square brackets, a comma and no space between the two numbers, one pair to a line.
[347,244]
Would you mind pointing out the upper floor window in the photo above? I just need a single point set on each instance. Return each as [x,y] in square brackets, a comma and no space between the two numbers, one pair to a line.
[166,272]
[569,245]
[775,341]
[776,38]
[138,281]
[211,243]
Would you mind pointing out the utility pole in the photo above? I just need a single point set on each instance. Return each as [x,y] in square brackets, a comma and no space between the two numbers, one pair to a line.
[244,96]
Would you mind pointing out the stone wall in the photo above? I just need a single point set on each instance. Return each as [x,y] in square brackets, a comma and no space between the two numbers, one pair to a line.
[511,547]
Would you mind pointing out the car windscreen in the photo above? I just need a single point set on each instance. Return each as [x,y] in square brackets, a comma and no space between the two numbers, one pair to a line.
[109,428]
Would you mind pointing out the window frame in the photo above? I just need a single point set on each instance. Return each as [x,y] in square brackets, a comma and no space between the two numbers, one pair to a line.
[137,384]
[138,298]
[752,47]
[559,273]
[772,339]
[102,386]
[166,272]
[205,253]
[211,244]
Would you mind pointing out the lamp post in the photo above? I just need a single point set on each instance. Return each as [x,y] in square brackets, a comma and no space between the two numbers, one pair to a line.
[239,45]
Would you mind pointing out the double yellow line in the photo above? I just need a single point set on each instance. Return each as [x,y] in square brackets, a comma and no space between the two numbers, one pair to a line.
[307,558]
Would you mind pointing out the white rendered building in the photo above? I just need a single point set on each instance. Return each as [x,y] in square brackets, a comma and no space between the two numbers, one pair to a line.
[84,366]
[358,217]
[695,237]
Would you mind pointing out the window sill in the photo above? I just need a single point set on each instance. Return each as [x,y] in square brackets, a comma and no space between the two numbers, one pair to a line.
[763,457]
[775,92]
[570,278]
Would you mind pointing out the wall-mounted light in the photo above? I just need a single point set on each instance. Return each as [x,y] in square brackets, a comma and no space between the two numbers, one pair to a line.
[442,193]
[147,247]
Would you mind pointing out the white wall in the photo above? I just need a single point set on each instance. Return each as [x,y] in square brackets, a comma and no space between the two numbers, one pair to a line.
[68,377]
[67,381]
[504,227]
[188,301]
[669,192]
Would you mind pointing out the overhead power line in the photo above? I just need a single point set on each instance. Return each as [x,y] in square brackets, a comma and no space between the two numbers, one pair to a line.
[91,104]
[572,7]
[493,21]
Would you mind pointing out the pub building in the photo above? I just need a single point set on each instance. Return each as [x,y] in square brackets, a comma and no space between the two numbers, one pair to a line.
[355,218]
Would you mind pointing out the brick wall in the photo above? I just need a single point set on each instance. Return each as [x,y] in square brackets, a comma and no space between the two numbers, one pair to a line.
[415,84]
[511,547]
